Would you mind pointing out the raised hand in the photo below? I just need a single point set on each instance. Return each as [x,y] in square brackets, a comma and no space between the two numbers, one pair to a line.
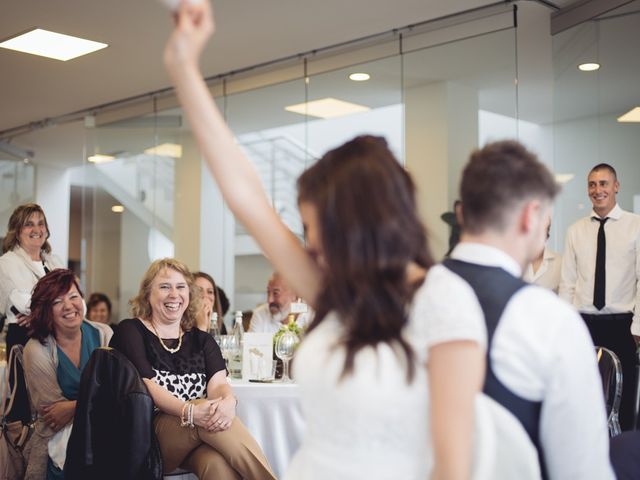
[193,26]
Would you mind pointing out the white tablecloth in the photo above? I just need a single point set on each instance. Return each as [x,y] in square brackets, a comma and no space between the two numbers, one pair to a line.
[271,412]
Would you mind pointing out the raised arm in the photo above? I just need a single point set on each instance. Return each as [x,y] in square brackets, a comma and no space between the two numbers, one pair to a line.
[233,172]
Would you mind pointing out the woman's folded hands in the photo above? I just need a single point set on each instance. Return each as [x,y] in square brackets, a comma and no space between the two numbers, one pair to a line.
[215,415]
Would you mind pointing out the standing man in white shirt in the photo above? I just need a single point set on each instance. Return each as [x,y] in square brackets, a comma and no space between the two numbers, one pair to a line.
[600,275]
[541,364]
[270,316]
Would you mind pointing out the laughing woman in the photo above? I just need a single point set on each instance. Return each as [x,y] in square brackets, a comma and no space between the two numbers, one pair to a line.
[60,346]
[26,258]
[183,369]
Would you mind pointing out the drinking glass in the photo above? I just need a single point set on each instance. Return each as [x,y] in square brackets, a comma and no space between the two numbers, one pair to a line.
[234,354]
[285,348]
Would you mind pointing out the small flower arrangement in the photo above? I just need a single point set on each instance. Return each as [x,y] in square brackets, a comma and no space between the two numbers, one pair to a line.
[292,326]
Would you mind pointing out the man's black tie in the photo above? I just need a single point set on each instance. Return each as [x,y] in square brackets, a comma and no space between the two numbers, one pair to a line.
[601,255]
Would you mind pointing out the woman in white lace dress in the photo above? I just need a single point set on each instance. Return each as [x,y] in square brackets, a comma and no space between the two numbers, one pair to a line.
[362,373]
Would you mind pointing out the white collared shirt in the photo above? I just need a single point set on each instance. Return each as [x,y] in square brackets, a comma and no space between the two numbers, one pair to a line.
[548,273]
[262,321]
[541,351]
[622,265]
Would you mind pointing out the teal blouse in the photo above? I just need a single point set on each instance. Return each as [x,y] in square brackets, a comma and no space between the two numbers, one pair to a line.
[68,376]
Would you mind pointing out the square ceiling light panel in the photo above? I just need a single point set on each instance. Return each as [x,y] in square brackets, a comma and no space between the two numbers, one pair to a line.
[52,45]
[326,108]
[631,116]
[165,150]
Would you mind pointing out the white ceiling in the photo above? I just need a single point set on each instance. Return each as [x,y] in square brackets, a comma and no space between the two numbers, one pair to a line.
[248,32]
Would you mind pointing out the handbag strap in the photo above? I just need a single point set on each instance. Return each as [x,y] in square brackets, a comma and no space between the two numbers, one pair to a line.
[7,399]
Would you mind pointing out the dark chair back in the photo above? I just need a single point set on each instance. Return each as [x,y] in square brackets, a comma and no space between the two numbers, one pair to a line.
[113,434]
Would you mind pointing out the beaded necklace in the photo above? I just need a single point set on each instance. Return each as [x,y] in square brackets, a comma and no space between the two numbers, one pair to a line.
[170,350]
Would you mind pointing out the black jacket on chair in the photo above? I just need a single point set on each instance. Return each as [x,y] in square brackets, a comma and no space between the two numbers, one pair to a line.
[112,436]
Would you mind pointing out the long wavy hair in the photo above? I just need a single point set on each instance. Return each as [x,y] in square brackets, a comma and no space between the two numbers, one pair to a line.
[370,232]
[140,305]
[17,220]
[53,285]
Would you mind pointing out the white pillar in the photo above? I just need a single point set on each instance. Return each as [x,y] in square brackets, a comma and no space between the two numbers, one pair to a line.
[441,129]
[217,235]
[53,188]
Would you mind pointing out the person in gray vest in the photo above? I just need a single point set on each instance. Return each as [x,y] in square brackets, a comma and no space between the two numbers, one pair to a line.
[600,275]
[541,365]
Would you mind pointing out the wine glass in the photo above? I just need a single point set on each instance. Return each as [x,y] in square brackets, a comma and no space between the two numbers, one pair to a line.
[285,348]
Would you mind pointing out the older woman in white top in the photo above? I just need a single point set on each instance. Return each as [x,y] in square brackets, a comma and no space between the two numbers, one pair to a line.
[26,258]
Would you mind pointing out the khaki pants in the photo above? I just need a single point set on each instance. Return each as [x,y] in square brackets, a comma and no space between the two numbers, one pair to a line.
[232,454]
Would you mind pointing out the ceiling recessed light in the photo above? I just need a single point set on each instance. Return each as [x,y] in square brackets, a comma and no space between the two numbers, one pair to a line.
[117,209]
[589,67]
[166,150]
[359,77]
[632,115]
[52,45]
[99,158]
[326,108]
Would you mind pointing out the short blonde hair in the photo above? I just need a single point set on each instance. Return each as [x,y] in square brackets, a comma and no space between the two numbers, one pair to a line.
[140,305]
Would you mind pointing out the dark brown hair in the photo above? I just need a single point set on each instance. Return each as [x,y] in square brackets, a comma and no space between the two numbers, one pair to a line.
[17,220]
[605,166]
[140,306]
[497,178]
[217,307]
[53,285]
[370,232]
[97,298]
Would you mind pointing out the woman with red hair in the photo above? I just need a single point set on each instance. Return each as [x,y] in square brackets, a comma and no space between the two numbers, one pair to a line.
[60,346]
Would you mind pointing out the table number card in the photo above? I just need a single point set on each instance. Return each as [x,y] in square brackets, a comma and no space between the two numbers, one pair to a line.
[257,356]
[298,307]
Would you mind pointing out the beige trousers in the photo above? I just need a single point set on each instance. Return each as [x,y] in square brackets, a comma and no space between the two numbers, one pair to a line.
[229,455]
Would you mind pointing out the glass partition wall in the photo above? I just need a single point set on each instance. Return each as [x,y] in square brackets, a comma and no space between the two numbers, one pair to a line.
[419,86]
[17,186]
[596,82]
[434,93]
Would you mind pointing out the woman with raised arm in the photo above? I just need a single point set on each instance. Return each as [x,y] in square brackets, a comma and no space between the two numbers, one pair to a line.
[362,368]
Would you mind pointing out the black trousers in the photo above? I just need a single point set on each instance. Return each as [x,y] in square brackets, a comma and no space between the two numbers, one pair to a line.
[624,456]
[613,331]
[21,410]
